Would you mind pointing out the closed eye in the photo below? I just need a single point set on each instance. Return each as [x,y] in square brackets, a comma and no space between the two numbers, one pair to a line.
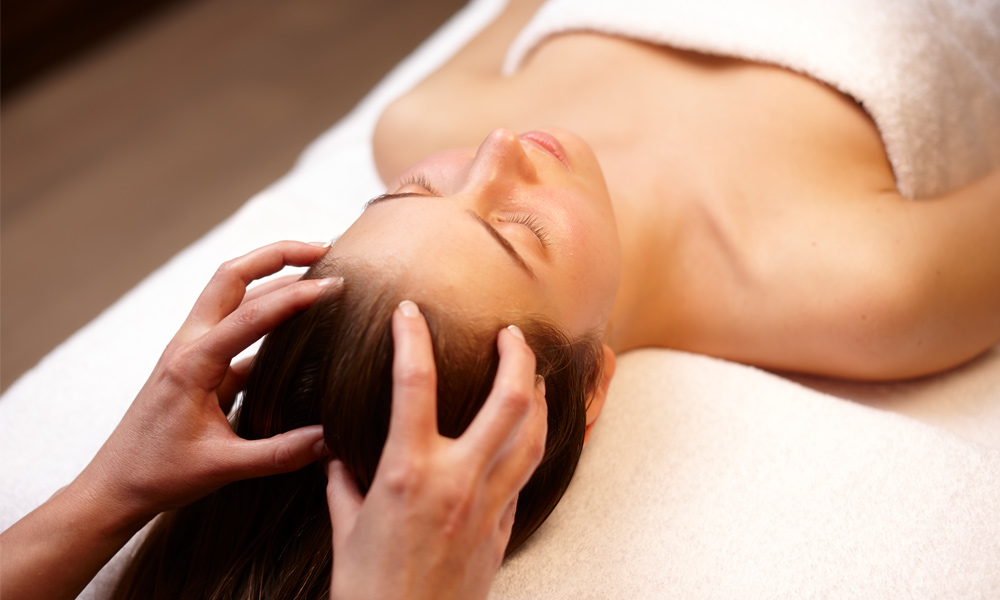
[532,223]
[420,180]
[417,179]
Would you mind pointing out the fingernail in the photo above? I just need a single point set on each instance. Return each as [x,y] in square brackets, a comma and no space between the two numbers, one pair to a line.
[319,448]
[320,244]
[540,383]
[334,281]
[514,329]
[409,309]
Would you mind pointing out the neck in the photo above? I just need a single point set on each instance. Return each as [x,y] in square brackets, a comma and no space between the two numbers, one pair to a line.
[662,227]
[644,247]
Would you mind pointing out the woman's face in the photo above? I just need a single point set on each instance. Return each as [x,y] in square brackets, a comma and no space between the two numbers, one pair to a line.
[523,224]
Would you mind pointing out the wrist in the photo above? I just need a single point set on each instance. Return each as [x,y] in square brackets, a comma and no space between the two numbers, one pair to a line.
[109,508]
[57,548]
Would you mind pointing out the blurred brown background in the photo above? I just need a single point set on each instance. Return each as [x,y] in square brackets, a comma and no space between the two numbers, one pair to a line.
[126,134]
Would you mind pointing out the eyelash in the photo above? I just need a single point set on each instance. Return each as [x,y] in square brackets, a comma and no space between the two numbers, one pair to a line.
[529,221]
[420,180]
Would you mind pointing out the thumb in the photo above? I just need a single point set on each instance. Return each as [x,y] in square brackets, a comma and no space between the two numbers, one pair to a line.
[344,499]
[282,453]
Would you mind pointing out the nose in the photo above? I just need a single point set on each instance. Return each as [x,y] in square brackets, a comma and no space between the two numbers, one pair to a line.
[501,160]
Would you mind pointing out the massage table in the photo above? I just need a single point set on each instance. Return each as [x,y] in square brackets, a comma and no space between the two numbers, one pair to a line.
[703,478]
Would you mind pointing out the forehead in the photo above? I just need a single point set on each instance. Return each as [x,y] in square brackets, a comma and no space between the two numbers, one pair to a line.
[441,255]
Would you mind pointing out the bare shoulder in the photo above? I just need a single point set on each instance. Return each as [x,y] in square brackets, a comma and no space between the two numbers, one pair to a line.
[871,286]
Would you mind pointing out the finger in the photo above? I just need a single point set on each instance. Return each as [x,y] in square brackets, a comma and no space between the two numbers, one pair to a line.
[345,501]
[507,519]
[253,320]
[282,453]
[523,453]
[233,382]
[227,287]
[414,379]
[269,286]
[510,400]
[505,529]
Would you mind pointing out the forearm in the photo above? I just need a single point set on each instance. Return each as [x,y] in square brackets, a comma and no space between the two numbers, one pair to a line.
[54,551]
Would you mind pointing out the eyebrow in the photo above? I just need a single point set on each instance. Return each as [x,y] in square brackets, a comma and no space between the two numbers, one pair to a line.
[506,245]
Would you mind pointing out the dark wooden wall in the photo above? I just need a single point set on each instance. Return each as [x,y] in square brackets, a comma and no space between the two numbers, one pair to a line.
[38,35]
[118,159]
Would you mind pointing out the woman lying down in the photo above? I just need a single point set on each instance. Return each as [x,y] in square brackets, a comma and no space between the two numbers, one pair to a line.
[607,193]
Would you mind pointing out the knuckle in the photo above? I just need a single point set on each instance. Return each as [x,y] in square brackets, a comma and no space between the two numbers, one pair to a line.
[283,457]
[518,400]
[404,478]
[416,376]
[247,313]
[178,367]
[534,449]
[225,269]
[457,500]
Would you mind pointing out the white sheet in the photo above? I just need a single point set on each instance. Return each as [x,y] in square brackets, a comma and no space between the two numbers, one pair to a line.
[703,479]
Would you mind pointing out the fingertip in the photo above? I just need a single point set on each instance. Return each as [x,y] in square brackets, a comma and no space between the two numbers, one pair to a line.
[312,437]
[319,448]
[331,282]
[540,384]
[511,342]
[409,308]
[242,366]
[331,466]
[342,490]
[335,474]
[515,340]
[311,430]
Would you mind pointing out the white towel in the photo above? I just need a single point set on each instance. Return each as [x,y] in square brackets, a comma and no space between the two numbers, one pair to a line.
[927,71]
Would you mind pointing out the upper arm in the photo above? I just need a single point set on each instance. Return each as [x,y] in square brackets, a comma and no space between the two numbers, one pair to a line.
[956,268]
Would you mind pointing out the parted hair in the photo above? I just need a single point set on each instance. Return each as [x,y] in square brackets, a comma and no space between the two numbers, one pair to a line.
[270,537]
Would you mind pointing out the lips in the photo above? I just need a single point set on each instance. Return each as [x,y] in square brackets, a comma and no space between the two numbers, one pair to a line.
[548,143]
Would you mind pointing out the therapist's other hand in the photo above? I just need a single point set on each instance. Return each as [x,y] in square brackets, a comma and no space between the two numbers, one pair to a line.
[438,516]
[174,444]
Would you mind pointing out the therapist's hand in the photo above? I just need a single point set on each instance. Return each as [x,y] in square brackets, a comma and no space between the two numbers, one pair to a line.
[175,444]
[438,516]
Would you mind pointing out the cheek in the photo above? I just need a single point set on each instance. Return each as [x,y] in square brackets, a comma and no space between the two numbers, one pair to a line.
[590,239]
[589,272]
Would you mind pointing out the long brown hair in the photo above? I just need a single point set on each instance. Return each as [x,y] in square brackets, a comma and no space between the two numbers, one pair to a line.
[270,537]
